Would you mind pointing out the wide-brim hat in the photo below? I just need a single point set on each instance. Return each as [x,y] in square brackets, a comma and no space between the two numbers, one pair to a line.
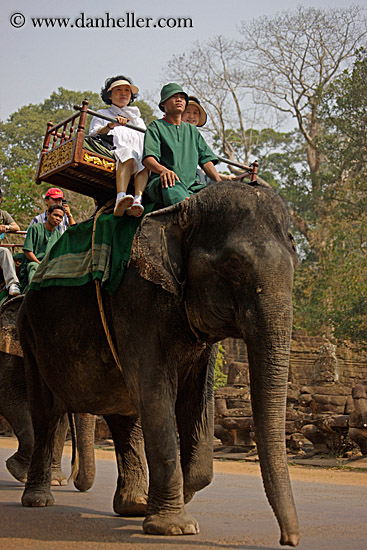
[134,89]
[168,91]
[202,113]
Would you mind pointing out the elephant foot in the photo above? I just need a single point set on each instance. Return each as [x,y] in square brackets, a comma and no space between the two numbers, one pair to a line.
[132,507]
[17,468]
[289,540]
[37,498]
[178,524]
[58,477]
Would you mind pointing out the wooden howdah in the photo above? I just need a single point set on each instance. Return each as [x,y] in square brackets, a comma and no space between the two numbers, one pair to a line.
[65,163]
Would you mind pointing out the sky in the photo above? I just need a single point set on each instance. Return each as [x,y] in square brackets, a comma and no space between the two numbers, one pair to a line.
[38,60]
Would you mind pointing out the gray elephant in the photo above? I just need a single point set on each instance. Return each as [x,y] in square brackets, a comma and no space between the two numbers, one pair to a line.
[218,265]
[15,409]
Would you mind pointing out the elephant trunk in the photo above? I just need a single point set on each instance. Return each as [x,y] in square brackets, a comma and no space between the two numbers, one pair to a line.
[268,343]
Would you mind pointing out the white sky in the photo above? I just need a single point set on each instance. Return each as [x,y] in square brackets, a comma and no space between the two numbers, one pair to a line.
[36,61]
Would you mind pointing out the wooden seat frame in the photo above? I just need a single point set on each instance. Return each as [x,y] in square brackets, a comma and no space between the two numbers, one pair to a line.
[65,163]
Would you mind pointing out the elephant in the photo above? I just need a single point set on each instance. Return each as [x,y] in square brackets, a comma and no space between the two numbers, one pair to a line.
[217,265]
[14,408]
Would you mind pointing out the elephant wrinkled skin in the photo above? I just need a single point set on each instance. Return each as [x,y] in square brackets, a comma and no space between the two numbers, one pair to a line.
[218,265]
[15,409]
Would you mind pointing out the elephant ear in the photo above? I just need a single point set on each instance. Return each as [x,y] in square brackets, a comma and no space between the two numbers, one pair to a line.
[159,247]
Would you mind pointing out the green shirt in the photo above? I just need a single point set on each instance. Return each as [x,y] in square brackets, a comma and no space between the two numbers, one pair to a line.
[39,240]
[179,148]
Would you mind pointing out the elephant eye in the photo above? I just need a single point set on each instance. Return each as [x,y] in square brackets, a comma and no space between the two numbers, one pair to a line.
[233,262]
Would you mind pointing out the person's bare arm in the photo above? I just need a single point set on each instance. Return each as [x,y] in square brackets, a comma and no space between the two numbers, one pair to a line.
[69,215]
[110,125]
[10,227]
[168,177]
[30,256]
[210,171]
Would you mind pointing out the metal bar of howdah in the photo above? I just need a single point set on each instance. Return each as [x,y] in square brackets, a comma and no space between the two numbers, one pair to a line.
[110,119]
[233,163]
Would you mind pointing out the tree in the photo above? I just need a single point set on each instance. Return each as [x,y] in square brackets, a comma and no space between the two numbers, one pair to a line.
[285,62]
[211,73]
[335,293]
[145,110]
[220,379]
[291,64]
[292,59]
[21,136]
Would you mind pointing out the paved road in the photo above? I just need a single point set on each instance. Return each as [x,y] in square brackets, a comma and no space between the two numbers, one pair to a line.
[233,514]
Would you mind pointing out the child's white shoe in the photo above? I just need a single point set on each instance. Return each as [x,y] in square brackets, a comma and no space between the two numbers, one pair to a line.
[122,204]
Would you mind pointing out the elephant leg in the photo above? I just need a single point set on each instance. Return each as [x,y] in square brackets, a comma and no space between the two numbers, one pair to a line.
[18,463]
[57,475]
[195,424]
[45,420]
[132,485]
[14,407]
[85,427]
[166,514]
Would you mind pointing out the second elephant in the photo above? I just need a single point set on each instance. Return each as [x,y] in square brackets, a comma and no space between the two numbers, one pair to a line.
[14,408]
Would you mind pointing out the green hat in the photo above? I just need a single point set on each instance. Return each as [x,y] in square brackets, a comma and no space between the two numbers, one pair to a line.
[168,91]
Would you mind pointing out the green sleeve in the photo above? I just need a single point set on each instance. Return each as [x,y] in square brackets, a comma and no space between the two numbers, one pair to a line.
[152,142]
[205,153]
[31,239]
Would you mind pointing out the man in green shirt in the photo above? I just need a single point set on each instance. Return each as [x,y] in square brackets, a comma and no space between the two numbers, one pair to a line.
[40,238]
[172,151]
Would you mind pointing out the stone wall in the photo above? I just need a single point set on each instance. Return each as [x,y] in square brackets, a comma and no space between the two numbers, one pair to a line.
[306,360]
[320,404]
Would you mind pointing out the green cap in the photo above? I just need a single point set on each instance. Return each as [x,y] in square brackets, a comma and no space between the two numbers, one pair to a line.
[168,91]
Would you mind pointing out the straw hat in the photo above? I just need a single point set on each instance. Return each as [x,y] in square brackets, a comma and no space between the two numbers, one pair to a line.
[202,114]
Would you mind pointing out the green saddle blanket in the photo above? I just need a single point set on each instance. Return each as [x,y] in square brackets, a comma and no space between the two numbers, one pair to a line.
[71,261]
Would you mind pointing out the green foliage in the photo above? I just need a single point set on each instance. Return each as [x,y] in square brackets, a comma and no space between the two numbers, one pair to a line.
[23,199]
[331,286]
[146,111]
[21,136]
[220,379]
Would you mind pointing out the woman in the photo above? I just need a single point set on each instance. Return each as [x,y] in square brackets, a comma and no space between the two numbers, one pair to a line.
[195,114]
[119,92]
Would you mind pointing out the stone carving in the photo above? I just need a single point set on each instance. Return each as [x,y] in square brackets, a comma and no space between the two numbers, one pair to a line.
[326,365]
[358,417]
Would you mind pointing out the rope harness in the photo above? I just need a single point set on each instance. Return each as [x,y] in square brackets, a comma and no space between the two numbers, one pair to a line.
[99,292]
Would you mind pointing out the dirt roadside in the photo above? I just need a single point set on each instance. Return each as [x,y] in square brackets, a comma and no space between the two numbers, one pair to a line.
[316,470]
